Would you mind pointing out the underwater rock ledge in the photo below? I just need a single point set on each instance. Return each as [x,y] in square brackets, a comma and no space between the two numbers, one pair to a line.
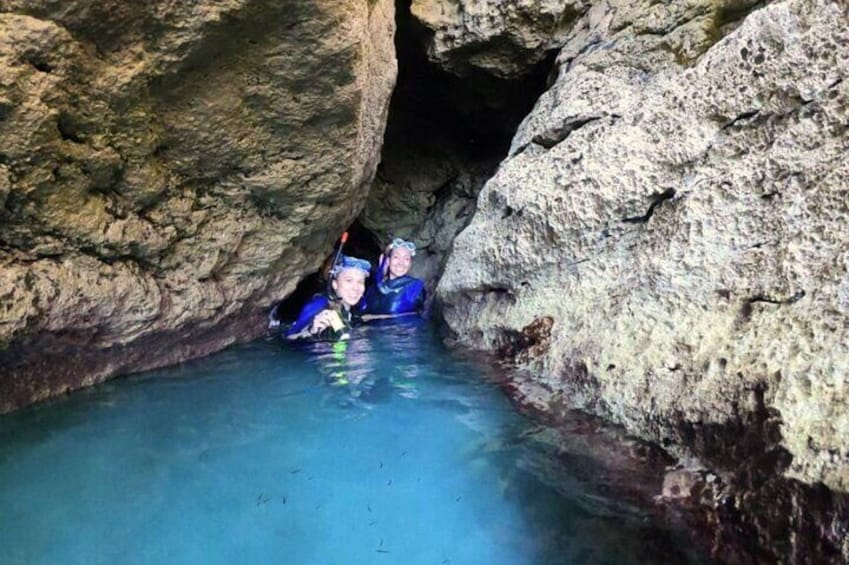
[69,362]
[726,485]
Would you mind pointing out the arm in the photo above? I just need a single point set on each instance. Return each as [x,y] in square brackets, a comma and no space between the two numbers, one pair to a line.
[369,317]
[320,322]
[307,316]
[382,267]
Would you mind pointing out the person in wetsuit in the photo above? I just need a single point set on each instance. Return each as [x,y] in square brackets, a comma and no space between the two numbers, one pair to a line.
[394,292]
[330,316]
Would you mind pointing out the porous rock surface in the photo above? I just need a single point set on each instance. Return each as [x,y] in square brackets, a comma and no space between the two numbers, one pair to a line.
[673,217]
[503,39]
[170,169]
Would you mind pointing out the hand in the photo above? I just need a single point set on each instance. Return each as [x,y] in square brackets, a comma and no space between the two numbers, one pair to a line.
[384,266]
[321,321]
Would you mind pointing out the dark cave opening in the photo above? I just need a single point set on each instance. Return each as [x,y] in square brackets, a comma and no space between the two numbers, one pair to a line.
[360,243]
[445,137]
[434,117]
[478,112]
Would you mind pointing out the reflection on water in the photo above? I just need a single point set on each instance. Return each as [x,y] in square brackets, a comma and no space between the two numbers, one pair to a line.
[383,449]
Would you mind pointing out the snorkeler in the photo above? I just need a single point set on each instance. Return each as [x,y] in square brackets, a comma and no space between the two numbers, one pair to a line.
[394,292]
[330,316]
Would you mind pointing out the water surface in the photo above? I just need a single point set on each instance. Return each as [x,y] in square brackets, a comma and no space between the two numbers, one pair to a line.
[386,449]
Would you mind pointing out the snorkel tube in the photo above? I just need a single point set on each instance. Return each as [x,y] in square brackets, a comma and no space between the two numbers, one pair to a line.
[336,323]
[342,241]
[336,258]
[335,262]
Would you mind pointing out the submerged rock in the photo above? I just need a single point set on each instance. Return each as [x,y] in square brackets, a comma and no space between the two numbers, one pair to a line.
[168,170]
[676,204]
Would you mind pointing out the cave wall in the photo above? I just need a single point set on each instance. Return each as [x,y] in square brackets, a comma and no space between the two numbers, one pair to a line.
[425,191]
[168,170]
[672,252]
[495,38]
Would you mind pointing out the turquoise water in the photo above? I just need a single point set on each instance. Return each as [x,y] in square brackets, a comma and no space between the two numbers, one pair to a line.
[387,449]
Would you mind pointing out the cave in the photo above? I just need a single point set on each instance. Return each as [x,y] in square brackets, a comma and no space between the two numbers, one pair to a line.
[458,128]
[476,115]
[171,172]
[445,136]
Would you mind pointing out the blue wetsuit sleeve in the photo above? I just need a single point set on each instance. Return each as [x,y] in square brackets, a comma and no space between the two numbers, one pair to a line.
[308,312]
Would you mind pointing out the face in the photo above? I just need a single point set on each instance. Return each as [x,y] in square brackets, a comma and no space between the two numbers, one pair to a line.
[399,262]
[350,285]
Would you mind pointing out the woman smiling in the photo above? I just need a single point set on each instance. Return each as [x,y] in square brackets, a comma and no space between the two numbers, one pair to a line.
[394,291]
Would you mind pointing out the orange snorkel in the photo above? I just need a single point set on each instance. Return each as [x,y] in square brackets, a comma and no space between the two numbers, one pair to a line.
[342,241]
[335,262]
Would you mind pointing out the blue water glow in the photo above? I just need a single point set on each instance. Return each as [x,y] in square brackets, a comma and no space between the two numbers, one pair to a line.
[388,449]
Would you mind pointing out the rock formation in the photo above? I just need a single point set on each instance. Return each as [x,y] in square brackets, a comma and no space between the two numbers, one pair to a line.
[503,39]
[168,170]
[673,244]
[664,245]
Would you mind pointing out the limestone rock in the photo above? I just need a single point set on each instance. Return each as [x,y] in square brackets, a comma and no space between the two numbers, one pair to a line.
[170,169]
[5,184]
[679,483]
[504,39]
[680,212]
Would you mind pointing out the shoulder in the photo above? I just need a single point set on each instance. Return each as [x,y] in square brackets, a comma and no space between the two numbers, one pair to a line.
[317,301]
[308,311]
[415,283]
